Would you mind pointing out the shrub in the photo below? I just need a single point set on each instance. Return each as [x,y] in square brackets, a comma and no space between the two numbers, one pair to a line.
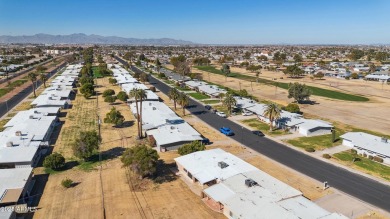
[110,99]
[355,159]
[112,81]
[108,92]
[191,147]
[378,159]
[292,108]
[86,144]
[310,149]
[327,156]
[114,117]
[67,183]
[370,157]
[141,159]
[87,90]
[353,151]
[364,155]
[54,161]
[161,75]
[122,96]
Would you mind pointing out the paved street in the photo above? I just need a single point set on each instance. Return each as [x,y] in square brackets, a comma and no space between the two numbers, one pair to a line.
[361,187]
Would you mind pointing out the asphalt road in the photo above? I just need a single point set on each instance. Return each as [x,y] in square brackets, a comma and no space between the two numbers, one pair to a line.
[356,185]
[17,98]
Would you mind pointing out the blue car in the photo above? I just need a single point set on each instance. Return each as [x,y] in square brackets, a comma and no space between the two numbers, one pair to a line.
[226,131]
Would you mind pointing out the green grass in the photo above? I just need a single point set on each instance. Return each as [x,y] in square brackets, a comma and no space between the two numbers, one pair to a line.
[51,171]
[315,90]
[211,101]
[96,72]
[371,167]
[199,96]
[263,127]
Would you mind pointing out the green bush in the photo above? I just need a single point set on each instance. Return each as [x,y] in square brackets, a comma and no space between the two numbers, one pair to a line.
[191,147]
[54,161]
[108,92]
[110,99]
[292,108]
[327,156]
[370,157]
[67,183]
[122,96]
[353,151]
[378,159]
[310,149]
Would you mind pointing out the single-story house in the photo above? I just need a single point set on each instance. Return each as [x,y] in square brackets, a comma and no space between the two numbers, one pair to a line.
[368,144]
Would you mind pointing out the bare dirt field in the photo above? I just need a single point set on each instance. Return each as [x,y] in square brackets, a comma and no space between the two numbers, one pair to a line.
[373,115]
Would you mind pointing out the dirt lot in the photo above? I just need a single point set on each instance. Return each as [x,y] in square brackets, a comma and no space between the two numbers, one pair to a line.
[373,115]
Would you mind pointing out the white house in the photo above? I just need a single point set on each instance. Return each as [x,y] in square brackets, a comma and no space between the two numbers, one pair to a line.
[239,190]
[368,144]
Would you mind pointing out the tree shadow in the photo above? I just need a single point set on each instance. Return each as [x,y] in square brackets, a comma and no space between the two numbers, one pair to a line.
[164,173]
[62,114]
[56,132]
[127,124]
[309,102]
[107,155]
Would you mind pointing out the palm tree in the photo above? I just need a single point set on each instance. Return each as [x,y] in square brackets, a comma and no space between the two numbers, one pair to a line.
[225,70]
[220,96]
[229,102]
[142,95]
[33,78]
[257,76]
[184,101]
[134,94]
[174,95]
[272,112]
[43,78]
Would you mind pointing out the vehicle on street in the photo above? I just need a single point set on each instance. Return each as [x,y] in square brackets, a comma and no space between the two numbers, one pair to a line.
[226,131]
[208,107]
[258,133]
[221,114]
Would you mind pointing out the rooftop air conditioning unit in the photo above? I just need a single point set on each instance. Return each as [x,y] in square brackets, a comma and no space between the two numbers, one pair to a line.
[31,117]
[384,140]
[172,127]
[154,108]
[9,144]
[250,182]
[18,133]
[222,164]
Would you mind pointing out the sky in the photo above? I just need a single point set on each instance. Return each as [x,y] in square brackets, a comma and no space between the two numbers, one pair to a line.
[205,21]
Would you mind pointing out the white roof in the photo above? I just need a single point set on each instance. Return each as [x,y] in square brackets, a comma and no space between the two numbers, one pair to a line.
[195,83]
[14,178]
[368,142]
[244,103]
[23,149]
[211,89]
[203,165]
[173,133]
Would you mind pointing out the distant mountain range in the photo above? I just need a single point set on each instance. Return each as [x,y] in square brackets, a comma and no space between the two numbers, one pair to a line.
[81,38]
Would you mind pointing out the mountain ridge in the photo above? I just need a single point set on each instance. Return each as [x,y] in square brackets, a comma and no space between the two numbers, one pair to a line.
[81,38]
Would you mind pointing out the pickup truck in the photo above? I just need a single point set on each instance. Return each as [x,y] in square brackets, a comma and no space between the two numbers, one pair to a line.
[221,114]
[226,131]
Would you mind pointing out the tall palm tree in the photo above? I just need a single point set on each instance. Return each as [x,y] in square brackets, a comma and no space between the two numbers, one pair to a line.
[257,76]
[174,95]
[272,112]
[229,102]
[142,95]
[43,78]
[184,101]
[134,94]
[33,78]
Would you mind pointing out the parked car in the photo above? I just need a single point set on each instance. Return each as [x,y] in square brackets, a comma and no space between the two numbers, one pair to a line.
[208,107]
[226,131]
[205,141]
[258,133]
[221,114]
[247,113]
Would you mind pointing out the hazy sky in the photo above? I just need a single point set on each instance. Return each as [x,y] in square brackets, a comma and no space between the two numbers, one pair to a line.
[205,21]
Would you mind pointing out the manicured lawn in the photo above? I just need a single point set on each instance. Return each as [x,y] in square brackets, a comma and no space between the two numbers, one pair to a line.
[263,127]
[317,142]
[315,90]
[199,96]
[221,108]
[211,101]
[369,166]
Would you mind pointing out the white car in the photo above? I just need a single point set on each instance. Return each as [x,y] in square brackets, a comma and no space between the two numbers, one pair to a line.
[247,113]
[221,114]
